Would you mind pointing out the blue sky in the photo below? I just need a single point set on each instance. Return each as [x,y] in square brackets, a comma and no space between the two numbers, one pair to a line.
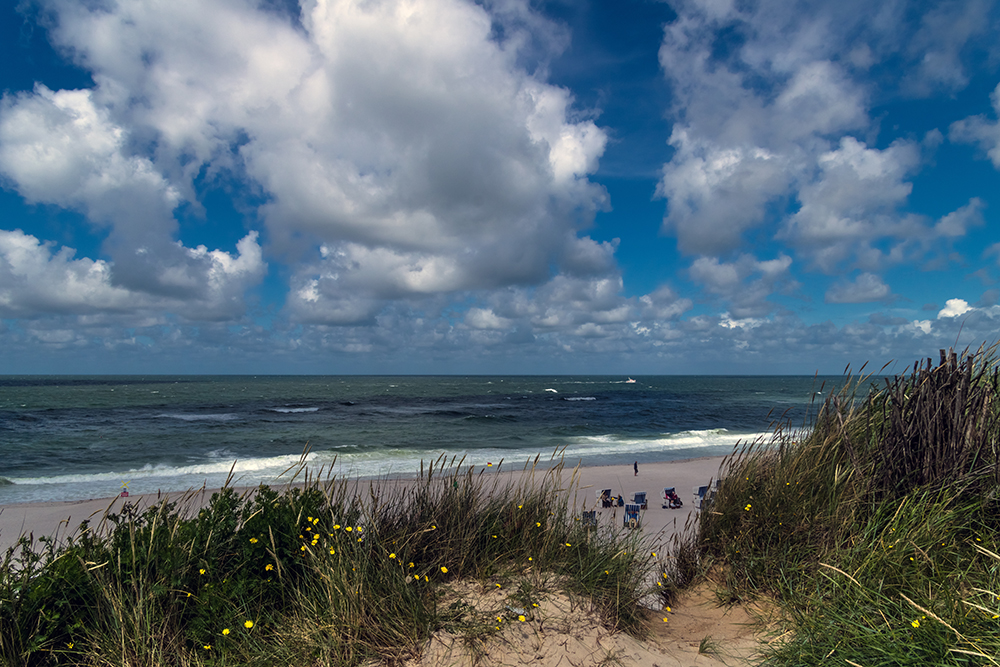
[441,186]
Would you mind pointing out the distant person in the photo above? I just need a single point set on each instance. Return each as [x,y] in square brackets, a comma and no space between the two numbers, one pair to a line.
[636,466]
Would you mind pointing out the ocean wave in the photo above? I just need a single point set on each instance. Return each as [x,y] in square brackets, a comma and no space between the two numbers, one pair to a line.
[221,417]
[616,444]
[580,398]
[164,472]
[292,410]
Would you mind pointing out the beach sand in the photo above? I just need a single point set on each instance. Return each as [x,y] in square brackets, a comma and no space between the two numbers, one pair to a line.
[574,635]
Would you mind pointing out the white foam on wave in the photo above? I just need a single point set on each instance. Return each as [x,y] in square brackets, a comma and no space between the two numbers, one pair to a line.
[221,465]
[552,390]
[222,417]
[293,410]
[154,478]
[612,445]
[341,462]
[580,398]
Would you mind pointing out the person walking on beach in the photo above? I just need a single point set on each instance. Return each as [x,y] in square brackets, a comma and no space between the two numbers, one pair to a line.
[636,466]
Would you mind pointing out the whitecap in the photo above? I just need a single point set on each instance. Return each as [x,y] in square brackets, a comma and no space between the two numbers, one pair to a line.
[222,417]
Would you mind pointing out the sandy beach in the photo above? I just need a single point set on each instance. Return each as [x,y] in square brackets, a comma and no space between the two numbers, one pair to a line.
[59,519]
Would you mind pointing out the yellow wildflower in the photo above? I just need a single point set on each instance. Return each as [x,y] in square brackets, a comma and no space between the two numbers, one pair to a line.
[444,569]
[268,567]
[201,571]
[521,618]
[411,564]
[248,624]
[207,647]
[336,526]
[392,555]
[348,529]
[915,623]
[253,540]
[225,631]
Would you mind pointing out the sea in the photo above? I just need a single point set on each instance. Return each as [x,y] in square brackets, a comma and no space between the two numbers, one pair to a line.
[81,437]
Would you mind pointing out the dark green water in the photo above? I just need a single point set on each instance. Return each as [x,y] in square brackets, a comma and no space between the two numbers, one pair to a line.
[79,437]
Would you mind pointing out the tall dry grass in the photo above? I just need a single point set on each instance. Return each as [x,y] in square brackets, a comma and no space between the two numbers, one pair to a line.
[326,573]
[875,532]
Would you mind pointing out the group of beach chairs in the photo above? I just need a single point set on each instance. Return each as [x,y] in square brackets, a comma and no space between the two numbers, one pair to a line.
[702,495]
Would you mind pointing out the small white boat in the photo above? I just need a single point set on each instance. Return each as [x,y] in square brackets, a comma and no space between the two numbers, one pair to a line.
[630,381]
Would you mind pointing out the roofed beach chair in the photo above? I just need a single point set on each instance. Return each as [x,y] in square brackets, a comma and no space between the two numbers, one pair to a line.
[712,490]
[631,516]
[590,519]
[670,499]
[699,495]
[639,498]
[607,500]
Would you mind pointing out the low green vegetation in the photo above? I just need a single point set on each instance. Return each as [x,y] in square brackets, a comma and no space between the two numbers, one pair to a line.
[323,573]
[875,534]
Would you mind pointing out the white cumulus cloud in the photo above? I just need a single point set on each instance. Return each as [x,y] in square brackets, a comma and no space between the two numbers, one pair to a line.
[402,137]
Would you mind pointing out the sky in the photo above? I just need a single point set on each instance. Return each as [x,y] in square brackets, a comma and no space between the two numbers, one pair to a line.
[502,186]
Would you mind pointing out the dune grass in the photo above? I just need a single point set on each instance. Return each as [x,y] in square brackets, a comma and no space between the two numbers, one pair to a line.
[322,573]
[875,533]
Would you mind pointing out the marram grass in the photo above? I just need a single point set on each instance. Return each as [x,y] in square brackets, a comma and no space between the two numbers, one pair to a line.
[325,573]
[876,534]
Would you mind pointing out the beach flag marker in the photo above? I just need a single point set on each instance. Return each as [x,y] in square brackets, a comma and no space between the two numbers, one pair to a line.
[124,490]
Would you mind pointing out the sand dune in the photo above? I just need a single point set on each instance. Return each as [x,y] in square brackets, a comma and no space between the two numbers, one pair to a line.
[564,631]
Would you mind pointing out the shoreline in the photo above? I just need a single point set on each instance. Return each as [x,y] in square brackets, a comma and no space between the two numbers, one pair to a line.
[57,519]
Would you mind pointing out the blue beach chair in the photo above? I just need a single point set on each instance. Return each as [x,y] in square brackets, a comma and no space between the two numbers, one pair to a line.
[699,495]
[631,516]
[639,498]
[590,519]
[670,498]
